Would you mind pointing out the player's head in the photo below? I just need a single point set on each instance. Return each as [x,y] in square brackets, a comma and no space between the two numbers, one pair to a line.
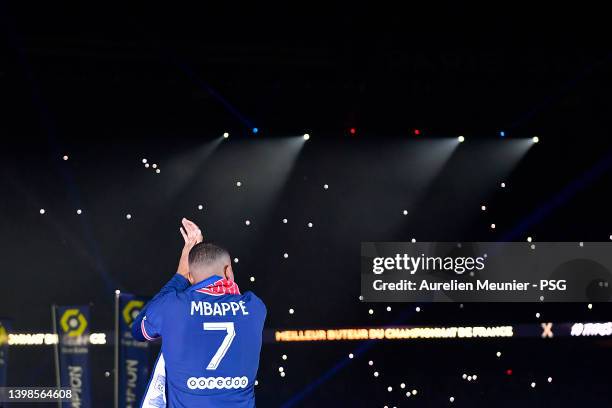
[206,260]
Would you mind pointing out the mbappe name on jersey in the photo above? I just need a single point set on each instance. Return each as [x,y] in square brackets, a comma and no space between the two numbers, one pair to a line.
[218,308]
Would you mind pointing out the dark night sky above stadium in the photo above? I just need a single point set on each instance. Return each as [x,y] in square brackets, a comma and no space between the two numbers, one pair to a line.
[108,86]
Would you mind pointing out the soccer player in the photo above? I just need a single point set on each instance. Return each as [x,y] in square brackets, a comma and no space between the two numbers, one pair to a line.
[211,332]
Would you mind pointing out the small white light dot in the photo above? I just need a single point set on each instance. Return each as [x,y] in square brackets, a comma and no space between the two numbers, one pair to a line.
[461,139]
[405,212]
[533,384]
[284,221]
[535,139]
[375,373]
[371,311]
[408,394]
[247,222]
[42,211]
[469,378]
[154,165]
[542,298]
[610,237]
[581,244]
[65,157]
[389,388]
[402,386]
[252,279]
[306,136]
[492,226]
[483,207]
[464,376]
[147,165]
[144,161]
[351,355]
[256,382]
[284,357]
[370,363]
[285,255]
[498,354]
[226,135]
[452,399]
[282,374]
[533,246]
[590,305]
[503,185]
[325,186]
[388,308]
[549,379]
[238,183]
[538,315]
[107,373]
[291,311]
[200,207]
[414,392]
[128,216]
[310,225]
[418,309]
[413,240]
[529,239]
[474,377]
[79,212]
[158,171]
[360,297]
[236,261]
[281,369]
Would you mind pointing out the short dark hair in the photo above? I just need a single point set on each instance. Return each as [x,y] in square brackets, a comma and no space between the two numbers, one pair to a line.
[206,253]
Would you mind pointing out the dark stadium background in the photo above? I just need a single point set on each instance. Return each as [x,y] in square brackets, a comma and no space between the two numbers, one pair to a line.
[108,85]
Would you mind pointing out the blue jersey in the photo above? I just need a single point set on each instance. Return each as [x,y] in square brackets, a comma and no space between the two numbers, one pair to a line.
[211,341]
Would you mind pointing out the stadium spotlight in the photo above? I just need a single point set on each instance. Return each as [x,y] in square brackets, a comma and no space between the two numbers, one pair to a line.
[306,136]
[535,139]
[226,135]
[461,139]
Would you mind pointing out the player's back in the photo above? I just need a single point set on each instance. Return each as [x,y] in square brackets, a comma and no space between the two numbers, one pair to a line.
[211,345]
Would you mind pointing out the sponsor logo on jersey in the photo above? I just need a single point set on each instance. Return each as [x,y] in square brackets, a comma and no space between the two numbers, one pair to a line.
[212,383]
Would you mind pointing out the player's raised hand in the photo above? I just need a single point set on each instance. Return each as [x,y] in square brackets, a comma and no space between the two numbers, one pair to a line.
[191,233]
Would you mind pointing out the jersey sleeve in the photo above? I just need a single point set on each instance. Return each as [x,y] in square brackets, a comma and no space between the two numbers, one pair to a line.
[148,324]
[261,306]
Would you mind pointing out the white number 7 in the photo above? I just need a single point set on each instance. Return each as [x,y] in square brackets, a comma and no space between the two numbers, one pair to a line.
[227,341]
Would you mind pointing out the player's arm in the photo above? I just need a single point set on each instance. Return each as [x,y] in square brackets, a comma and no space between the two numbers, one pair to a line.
[147,325]
[191,235]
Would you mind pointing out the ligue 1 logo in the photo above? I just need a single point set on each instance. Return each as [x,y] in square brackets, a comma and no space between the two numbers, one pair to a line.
[131,311]
[73,322]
